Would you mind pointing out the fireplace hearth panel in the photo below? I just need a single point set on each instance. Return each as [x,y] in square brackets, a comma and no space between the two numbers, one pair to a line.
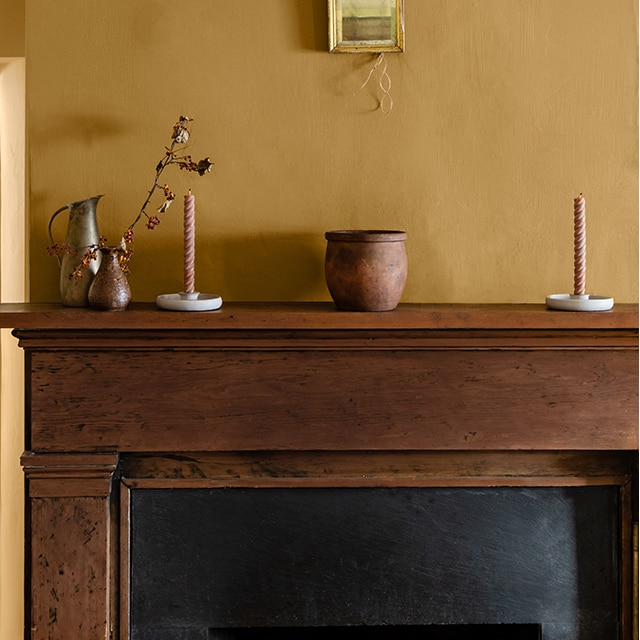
[427,632]
[235,558]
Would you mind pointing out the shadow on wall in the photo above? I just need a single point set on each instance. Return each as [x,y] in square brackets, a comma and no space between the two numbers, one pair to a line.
[82,128]
[264,267]
[269,267]
[313,25]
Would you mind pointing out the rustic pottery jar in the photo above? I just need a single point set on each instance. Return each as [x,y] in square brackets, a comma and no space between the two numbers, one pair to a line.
[110,289]
[366,270]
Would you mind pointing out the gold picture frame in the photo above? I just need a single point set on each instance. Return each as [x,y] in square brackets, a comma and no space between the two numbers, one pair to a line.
[366,26]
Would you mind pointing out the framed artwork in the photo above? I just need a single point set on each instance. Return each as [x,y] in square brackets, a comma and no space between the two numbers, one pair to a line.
[366,26]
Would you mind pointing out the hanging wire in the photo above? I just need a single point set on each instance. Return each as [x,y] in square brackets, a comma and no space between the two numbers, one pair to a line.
[384,84]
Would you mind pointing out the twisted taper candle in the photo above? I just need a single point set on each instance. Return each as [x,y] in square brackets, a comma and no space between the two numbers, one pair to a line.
[579,247]
[189,243]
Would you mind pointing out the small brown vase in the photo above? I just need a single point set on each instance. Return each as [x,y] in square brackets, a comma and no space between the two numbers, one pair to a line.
[366,270]
[110,289]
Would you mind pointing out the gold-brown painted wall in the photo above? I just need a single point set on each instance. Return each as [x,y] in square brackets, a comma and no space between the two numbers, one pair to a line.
[502,113]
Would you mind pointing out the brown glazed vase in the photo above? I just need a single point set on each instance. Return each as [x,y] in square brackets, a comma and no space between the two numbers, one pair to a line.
[366,270]
[110,289]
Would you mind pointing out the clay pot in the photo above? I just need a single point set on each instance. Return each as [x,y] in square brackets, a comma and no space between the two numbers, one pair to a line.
[366,270]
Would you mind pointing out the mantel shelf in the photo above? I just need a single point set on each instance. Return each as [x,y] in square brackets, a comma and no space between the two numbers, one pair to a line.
[317,315]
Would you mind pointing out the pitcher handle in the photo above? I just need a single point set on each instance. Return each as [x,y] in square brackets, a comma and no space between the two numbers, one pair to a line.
[66,206]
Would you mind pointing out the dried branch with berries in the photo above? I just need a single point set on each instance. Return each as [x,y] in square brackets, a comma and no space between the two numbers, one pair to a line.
[173,156]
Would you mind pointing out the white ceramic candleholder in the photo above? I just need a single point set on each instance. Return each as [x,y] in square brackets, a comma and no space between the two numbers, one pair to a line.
[579,301]
[572,302]
[189,301]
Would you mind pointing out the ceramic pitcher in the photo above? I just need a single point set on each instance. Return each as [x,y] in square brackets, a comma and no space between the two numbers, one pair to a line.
[82,234]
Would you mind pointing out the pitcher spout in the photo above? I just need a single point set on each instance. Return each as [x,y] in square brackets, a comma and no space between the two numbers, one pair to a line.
[87,202]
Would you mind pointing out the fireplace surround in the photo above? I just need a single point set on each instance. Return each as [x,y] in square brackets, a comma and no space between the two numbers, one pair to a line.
[445,409]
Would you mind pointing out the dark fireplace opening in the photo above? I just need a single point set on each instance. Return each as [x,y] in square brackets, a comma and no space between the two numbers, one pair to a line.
[373,559]
[394,632]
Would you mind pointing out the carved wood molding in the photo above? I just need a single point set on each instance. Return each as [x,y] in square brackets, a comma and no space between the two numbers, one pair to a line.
[377,468]
[69,475]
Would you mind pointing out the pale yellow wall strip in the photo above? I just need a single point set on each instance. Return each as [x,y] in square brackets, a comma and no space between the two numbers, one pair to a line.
[12,289]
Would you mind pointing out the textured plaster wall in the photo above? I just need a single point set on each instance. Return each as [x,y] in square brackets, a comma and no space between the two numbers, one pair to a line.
[503,112]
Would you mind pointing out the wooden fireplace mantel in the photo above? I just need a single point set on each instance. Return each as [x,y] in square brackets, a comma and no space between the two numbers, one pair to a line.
[299,394]
[318,315]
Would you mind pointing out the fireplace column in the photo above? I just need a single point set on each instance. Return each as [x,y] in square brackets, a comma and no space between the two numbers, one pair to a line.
[71,556]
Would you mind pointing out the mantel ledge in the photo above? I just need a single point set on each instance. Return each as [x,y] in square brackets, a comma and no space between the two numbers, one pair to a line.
[317,315]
